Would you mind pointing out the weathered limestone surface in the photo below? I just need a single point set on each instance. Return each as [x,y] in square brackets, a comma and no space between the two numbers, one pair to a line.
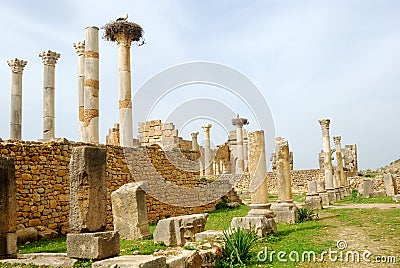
[49,59]
[91,85]
[8,203]
[179,230]
[341,176]
[195,144]
[390,185]
[130,212]
[368,188]
[239,122]
[96,246]
[80,50]
[207,149]
[113,137]
[209,234]
[259,224]
[88,190]
[313,200]
[322,192]
[136,261]
[328,168]
[17,67]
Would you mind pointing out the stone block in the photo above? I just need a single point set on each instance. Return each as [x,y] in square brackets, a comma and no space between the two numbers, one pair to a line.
[368,187]
[396,197]
[324,198]
[313,201]
[12,247]
[208,235]
[312,188]
[286,213]
[186,258]
[94,246]
[258,224]
[135,261]
[88,189]
[27,234]
[390,185]
[179,230]
[130,212]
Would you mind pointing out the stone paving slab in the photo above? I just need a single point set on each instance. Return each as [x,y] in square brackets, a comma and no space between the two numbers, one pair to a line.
[47,259]
[133,261]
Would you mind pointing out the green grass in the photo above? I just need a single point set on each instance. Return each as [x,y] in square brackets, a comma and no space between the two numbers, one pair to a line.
[221,219]
[140,246]
[300,197]
[363,200]
[57,245]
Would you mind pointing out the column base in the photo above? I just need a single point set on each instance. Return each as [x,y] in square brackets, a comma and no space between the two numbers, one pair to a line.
[261,210]
[325,198]
[314,201]
[8,245]
[337,194]
[342,191]
[96,246]
[286,212]
[331,195]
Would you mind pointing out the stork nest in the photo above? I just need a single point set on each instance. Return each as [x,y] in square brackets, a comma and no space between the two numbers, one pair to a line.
[129,29]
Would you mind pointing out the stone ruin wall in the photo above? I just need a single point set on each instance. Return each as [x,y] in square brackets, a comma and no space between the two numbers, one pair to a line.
[42,180]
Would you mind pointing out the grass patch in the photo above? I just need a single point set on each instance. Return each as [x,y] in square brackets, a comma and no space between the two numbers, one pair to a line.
[140,246]
[363,200]
[56,245]
[299,197]
[221,219]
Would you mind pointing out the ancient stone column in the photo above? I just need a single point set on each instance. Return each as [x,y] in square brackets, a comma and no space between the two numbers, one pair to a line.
[8,206]
[17,67]
[260,214]
[339,160]
[80,50]
[49,59]
[88,206]
[124,83]
[313,200]
[207,149]
[91,85]
[329,186]
[285,211]
[195,144]
[239,122]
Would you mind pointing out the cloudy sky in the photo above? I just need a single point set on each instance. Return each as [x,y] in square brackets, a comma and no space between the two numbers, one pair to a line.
[337,59]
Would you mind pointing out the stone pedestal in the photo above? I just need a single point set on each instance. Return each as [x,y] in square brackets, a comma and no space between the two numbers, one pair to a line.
[88,207]
[286,212]
[17,67]
[8,205]
[96,246]
[390,185]
[313,199]
[258,224]
[368,188]
[91,85]
[49,59]
[130,211]
[80,50]
[322,192]
[207,149]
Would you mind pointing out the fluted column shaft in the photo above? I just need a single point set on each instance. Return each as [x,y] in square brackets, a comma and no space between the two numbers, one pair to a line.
[91,85]
[49,59]
[17,67]
[207,149]
[80,50]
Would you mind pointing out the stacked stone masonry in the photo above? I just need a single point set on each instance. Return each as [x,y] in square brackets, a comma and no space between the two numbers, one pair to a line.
[42,181]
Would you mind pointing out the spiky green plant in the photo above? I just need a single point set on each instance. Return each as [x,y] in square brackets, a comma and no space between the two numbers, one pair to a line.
[306,214]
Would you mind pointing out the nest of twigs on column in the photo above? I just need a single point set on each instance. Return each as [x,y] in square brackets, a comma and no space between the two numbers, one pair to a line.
[131,30]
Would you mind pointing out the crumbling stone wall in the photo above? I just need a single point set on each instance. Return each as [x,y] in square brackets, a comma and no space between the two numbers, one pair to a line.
[42,180]
[155,132]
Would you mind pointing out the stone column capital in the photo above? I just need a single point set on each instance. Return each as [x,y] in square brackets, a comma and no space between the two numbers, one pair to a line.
[49,58]
[336,139]
[324,123]
[123,39]
[17,65]
[206,127]
[239,122]
[80,47]
[194,135]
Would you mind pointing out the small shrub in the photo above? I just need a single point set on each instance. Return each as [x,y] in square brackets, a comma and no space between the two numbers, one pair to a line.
[236,251]
[354,196]
[305,214]
[223,204]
